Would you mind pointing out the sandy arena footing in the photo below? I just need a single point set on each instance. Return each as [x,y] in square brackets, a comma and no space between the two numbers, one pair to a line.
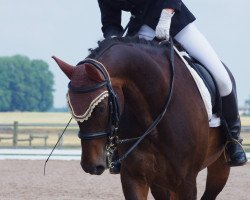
[65,180]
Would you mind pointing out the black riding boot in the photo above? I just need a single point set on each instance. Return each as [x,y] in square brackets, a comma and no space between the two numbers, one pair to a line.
[237,156]
[115,169]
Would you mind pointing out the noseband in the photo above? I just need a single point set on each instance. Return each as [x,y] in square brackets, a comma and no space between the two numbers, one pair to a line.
[114,113]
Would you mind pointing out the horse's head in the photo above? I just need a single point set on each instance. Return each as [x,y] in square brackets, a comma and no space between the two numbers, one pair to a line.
[89,98]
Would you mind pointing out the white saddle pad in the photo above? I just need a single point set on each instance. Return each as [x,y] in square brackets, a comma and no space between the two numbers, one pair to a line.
[214,121]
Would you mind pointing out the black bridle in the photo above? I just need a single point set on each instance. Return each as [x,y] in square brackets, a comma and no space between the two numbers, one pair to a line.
[114,112]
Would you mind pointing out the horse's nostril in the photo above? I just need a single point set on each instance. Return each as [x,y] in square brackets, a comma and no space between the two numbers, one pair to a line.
[100,169]
[92,169]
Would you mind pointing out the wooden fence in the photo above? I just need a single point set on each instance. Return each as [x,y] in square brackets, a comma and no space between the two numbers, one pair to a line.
[33,135]
[17,134]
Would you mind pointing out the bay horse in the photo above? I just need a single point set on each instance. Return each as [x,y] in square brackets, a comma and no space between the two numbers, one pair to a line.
[126,82]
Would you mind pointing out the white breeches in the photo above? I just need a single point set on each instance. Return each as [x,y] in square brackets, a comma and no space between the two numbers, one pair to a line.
[199,48]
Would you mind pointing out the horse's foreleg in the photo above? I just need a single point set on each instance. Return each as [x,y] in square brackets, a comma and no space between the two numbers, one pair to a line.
[186,190]
[134,188]
[217,175]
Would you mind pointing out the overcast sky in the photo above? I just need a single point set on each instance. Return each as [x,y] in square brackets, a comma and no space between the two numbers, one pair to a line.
[40,29]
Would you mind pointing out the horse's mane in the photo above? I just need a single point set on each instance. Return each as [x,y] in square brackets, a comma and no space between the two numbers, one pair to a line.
[135,41]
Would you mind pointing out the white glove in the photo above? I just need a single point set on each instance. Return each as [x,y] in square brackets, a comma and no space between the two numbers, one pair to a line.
[162,30]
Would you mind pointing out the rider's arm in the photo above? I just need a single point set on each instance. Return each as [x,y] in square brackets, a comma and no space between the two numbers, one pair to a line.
[111,20]
[162,30]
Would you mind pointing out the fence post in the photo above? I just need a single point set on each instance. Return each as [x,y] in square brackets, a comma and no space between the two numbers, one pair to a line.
[15,132]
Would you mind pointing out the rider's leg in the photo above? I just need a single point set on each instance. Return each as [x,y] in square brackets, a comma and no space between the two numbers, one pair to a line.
[199,48]
[146,32]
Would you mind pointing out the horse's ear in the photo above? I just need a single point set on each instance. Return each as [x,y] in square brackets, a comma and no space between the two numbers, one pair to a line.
[93,73]
[66,68]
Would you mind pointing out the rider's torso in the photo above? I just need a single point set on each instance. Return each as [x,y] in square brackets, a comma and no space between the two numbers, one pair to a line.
[127,5]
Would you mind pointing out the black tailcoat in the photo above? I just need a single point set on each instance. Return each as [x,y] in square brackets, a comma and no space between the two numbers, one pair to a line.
[143,12]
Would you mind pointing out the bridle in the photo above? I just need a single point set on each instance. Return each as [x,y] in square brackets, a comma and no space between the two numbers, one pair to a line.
[114,112]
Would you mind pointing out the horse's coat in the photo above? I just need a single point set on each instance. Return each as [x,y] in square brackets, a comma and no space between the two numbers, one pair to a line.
[214,120]
[170,158]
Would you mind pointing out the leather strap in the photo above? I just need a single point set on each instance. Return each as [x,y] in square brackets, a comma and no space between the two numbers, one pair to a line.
[161,115]
[92,136]
[114,112]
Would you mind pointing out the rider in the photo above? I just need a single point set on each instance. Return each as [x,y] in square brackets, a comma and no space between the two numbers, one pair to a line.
[165,18]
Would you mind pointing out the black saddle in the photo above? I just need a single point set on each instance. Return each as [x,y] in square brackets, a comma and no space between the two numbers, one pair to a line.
[208,80]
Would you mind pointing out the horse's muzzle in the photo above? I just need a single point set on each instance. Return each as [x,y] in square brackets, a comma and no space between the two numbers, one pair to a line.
[93,169]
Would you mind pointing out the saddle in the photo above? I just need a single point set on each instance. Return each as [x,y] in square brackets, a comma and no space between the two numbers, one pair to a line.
[208,82]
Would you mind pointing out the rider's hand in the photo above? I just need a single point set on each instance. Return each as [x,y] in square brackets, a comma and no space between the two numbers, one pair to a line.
[162,30]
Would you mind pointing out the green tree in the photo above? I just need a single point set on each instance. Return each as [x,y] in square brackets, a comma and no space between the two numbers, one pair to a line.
[25,85]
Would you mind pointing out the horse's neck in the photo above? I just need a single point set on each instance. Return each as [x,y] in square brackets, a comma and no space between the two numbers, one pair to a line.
[145,87]
[137,104]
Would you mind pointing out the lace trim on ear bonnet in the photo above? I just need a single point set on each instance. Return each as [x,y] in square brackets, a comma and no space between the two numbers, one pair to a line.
[89,110]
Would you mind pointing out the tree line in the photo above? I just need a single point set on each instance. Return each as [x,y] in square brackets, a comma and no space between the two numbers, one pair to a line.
[25,85]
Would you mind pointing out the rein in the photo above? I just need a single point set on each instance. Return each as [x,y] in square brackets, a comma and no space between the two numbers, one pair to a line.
[114,112]
[113,138]
[160,116]
[44,168]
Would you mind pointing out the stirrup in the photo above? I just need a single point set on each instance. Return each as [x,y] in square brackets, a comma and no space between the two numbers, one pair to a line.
[227,158]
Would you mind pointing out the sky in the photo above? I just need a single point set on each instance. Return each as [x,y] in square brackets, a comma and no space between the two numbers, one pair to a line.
[67,29]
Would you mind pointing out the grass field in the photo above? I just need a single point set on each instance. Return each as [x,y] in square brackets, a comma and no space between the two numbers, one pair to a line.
[70,139]
[34,117]
[53,118]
